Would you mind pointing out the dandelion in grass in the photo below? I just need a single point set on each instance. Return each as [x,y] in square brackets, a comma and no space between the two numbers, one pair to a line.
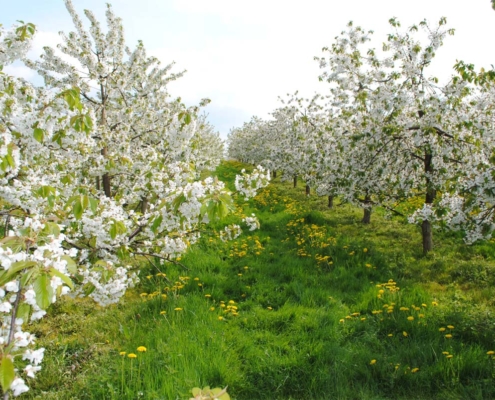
[365,250]
[141,349]
[410,318]
[434,303]
[445,353]
[448,336]
[441,329]
[342,320]
[132,355]
[449,356]
[123,353]
[269,308]
[373,362]
[490,353]
[220,318]
[390,335]
[405,334]
[163,312]
[450,326]
[414,370]
[208,295]
[178,309]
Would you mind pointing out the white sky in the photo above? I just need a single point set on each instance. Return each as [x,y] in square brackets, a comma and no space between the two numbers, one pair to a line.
[244,54]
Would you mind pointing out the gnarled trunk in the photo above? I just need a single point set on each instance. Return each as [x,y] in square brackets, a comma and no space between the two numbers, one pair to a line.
[295,180]
[308,190]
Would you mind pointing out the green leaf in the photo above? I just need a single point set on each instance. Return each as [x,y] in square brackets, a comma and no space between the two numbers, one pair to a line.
[23,312]
[7,372]
[93,204]
[39,134]
[43,290]
[156,223]
[71,264]
[78,209]
[65,278]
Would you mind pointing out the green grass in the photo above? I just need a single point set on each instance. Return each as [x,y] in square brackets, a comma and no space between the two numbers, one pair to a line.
[311,317]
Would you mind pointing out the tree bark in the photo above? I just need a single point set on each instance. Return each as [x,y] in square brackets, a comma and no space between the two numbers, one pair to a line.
[144,205]
[431,193]
[367,210]
[308,190]
[274,174]
[330,201]
[103,120]
[295,180]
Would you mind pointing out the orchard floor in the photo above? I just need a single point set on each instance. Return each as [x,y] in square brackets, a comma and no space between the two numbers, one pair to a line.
[314,305]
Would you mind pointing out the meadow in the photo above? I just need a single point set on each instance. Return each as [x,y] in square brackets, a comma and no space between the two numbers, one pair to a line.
[313,305]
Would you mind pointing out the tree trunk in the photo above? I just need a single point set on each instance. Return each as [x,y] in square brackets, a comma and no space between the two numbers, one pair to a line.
[427,236]
[274,174]
[103,120]
[295,180]
[144,205]
[106,178]
[431,193]
[367,210]
[330,201]
[308,190]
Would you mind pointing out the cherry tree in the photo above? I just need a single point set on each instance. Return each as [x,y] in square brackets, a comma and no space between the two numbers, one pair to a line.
[98,167]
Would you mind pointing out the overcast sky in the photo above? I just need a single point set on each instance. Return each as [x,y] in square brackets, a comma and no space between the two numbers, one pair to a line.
[244,54]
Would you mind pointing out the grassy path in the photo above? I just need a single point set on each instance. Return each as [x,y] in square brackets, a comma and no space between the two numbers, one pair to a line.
[311,306]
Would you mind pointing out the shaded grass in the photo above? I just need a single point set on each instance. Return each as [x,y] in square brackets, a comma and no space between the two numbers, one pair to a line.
[316,300]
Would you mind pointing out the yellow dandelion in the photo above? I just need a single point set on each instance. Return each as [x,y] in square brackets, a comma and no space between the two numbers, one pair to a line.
[372,362]
[410,318]
[404,333]
[414,370]
[365,250]
[434,303]
[122,353]
[450,326]
[177,309]
[131,355]
[445,353]
[490,353]
[220,318]
[448,336]
[163,312]
[342,320]
[141,349]
[450,356]
[269,308]
[390,335]
[441,329]
[207,295]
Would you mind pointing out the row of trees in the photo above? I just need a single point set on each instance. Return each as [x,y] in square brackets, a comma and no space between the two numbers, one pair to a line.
[97,167]
[386,131]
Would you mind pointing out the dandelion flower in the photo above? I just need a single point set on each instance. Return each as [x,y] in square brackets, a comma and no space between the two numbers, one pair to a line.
[490,353]
[131,355]
[445,353]
[390,335]
[448,336]
[163,312]
[404,333]
[141,349]
[372,362]
[414,370]
[177,309]
[341,320]
[410,318]
[122,353]
[450,326]
[441,330]
[269,308]
[207,295]
[220,318]
[450,356]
